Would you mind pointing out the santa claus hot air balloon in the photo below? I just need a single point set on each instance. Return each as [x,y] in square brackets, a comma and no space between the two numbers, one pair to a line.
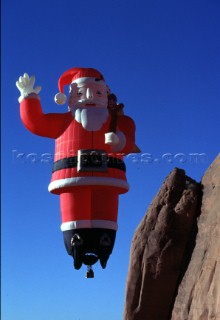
[88,171]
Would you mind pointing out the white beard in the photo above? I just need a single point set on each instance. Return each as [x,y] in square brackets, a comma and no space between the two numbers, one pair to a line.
[91,118]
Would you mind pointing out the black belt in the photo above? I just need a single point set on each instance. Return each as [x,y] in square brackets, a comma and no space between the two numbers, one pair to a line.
[71,162]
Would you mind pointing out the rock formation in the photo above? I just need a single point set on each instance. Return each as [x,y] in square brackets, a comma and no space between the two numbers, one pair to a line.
[174,262]
[198,296]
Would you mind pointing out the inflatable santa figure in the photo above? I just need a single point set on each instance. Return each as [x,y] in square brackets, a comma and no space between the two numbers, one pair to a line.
[88,171]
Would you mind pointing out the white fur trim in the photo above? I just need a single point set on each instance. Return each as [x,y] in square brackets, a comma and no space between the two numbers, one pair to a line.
[107,224]
[89,80]
[88,181]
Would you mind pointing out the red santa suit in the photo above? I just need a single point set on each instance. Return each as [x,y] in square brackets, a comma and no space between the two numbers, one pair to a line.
[87,174]
[88,199]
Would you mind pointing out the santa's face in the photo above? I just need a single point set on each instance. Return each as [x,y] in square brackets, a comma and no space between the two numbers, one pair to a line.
[88,93]
[88,103]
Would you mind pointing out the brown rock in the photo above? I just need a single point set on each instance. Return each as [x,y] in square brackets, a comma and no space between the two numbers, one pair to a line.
[161,248]
[199,293]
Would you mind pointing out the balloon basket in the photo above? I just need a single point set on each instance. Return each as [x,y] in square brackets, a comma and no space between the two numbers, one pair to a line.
[89,273]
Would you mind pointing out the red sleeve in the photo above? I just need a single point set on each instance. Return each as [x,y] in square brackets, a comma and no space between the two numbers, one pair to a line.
[49,125]
[127,126]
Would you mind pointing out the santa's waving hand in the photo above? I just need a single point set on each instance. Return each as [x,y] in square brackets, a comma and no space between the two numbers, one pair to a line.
[25,85]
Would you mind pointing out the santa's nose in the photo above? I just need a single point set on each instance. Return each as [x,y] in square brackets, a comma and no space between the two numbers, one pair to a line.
[89,94]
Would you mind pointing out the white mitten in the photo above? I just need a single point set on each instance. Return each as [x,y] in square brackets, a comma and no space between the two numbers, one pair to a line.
[116,140]
[111,138]
[25,85]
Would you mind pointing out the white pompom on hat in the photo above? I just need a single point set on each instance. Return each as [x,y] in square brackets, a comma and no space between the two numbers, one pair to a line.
[60,98]
[72,75]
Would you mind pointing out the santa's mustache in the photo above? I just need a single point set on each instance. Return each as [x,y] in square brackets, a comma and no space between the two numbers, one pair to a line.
[91,118]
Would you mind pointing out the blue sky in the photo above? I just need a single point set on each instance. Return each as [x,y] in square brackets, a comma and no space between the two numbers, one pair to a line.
[161,58]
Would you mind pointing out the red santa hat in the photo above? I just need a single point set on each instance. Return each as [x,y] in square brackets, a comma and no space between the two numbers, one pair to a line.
[76,75]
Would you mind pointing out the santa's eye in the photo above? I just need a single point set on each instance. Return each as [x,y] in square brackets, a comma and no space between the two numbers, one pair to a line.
[99,93]
[79,93]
